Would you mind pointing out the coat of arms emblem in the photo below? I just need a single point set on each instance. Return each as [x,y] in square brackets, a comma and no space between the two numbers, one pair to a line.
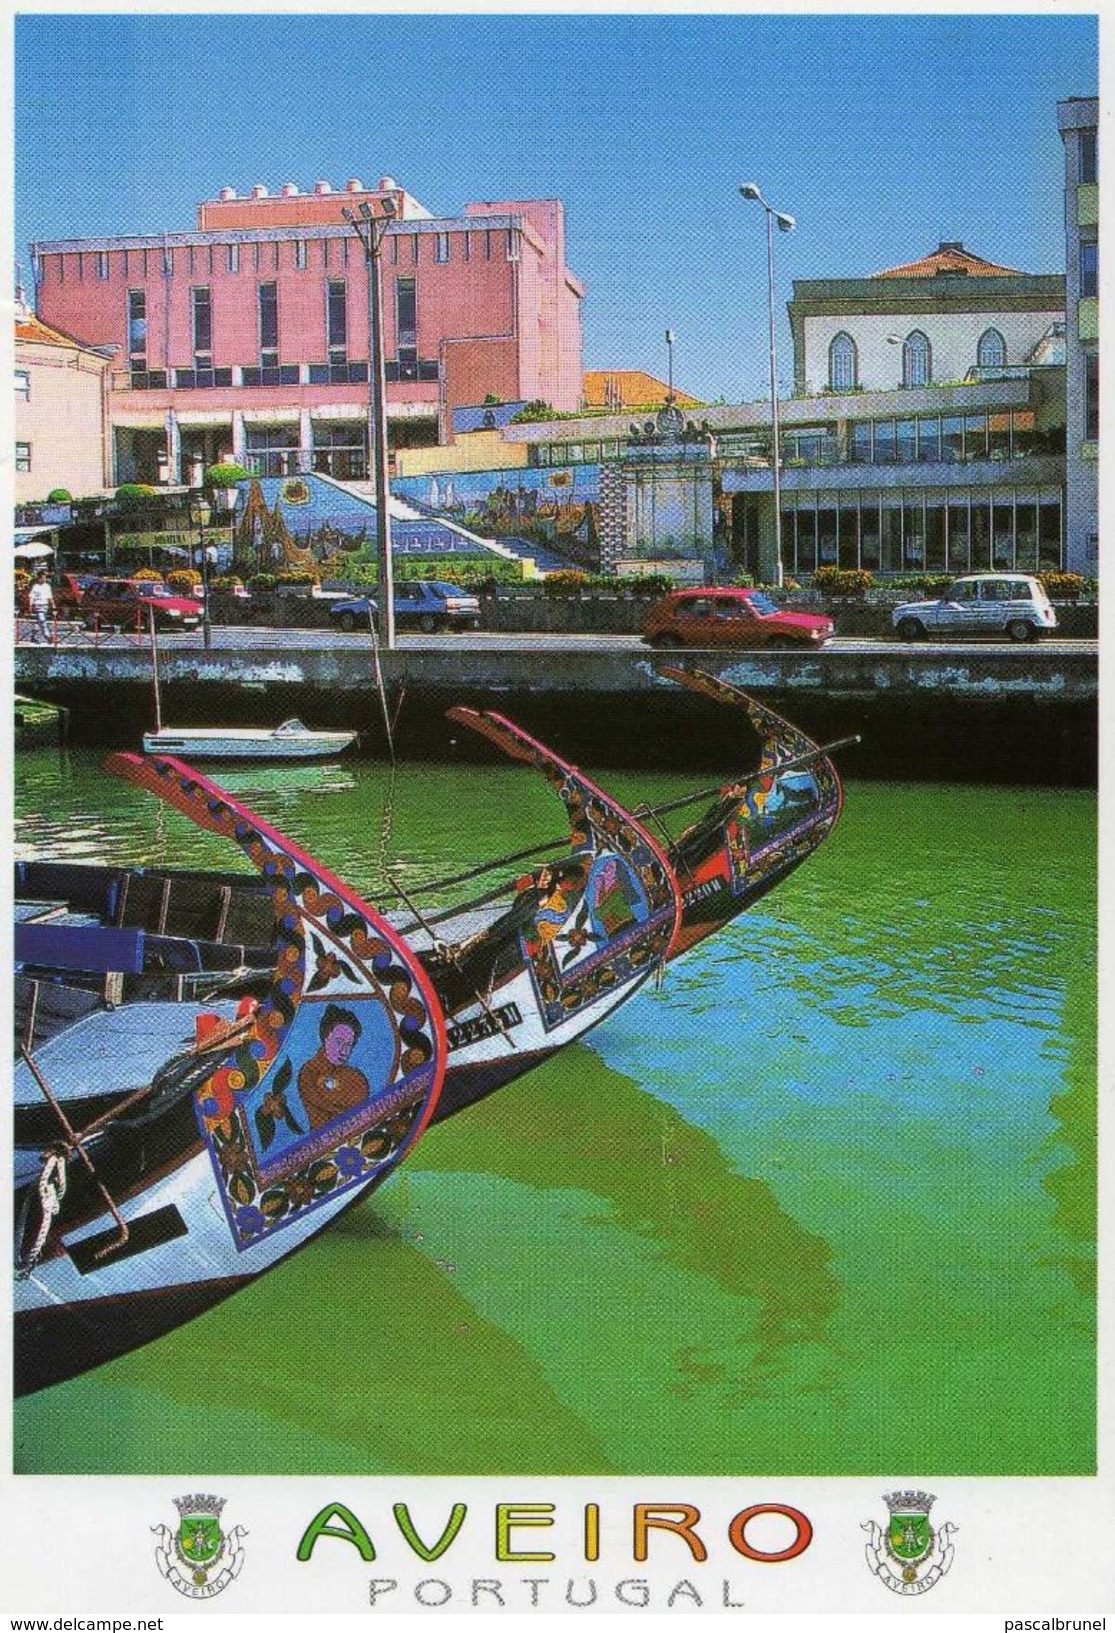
[909,1556]
[198,1559]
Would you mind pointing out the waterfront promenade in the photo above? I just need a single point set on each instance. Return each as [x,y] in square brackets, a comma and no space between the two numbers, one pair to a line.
[1025,714]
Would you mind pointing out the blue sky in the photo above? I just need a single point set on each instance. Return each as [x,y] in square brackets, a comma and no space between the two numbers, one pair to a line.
[882,134]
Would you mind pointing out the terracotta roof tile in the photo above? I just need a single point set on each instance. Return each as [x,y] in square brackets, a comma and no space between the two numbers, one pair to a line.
[33,329]
[622,389]
[951,258]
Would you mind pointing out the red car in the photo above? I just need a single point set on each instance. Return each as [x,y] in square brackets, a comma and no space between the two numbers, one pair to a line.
[126,602]
[700,618]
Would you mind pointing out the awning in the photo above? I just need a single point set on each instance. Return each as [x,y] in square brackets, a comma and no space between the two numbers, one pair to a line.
[33,552]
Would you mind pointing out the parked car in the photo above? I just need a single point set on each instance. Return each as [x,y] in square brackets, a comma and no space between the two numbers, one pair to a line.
[125,601]
[423,604]
[1011,604]
[729,617]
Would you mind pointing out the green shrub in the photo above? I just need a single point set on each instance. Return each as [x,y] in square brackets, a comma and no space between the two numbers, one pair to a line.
[743,581]
[1062,586]
[566,582]
[133,494]
[262,581]
[59,496]
[227,581]
[226,475]
[648,584]
[296,576]
[532,412]
[842,580]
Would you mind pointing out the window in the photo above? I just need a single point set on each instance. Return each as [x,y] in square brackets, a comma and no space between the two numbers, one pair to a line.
[859,442]
[442,252]
[336,321]
[917,365]
[268,325]
[301,255]
[23,385]
[202,316]
[991,353]
[101,263]
[1091,396]
[406,326]
[1089,164]
[929,438]
[1089,267]
[23,456]
[232,257]
[137,329]
[842,363]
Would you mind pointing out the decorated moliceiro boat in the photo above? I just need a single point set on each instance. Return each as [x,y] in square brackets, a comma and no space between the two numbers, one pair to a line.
[213,1065]
[190,1109]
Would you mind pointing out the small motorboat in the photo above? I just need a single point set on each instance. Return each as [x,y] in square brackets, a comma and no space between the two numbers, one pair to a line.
[290,741]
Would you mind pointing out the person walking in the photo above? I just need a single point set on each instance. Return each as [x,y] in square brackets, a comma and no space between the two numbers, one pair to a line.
[41,604]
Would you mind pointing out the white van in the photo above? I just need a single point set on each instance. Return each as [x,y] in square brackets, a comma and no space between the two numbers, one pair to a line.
[1010,604]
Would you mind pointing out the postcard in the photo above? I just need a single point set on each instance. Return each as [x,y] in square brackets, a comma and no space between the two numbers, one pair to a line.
[554,815]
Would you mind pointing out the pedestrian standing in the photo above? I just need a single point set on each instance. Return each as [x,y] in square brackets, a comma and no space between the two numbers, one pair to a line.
[41,604]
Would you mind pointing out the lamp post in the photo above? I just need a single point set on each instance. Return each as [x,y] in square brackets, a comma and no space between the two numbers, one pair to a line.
[670,338]
[203,510]
[370,228]
[750,190]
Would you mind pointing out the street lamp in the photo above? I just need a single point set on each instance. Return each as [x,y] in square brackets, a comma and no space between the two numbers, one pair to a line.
[670,338]
[370,228]
[750,190]
[203,512]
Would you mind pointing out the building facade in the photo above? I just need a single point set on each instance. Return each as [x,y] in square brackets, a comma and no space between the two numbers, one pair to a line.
[938,320]
[1078,121]
[248,338]
[60,412]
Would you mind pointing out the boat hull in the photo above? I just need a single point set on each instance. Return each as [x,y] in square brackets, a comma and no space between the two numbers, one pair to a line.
[246,745]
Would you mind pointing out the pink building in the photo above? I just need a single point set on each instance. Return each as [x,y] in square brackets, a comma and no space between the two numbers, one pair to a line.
[248,338]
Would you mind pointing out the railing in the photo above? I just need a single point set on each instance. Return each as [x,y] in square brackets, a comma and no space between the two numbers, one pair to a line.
[345,464]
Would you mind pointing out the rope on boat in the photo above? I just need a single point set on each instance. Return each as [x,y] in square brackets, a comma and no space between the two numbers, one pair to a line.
[451,954]
[50,1190]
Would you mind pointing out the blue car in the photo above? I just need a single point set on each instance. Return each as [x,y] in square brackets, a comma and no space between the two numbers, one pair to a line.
[423,604]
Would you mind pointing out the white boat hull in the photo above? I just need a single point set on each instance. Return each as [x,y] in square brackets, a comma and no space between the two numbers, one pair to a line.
[247,743]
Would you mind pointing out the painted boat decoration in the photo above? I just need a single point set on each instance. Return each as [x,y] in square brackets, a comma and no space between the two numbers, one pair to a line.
[290,741]
[759,827]
[211,1119]
[275,1115]
[520,977]
[162,1040]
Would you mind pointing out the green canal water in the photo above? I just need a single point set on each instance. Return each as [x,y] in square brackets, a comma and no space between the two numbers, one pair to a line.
[821,1203]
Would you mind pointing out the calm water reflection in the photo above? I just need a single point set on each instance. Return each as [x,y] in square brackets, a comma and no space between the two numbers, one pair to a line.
[821,1203]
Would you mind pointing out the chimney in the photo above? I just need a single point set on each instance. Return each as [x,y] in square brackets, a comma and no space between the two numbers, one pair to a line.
[289,189]
[354,186]
[226,193]
[322,187]
[259,191]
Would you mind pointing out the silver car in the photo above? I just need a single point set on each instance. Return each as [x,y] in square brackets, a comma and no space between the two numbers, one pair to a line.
[1010,604]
